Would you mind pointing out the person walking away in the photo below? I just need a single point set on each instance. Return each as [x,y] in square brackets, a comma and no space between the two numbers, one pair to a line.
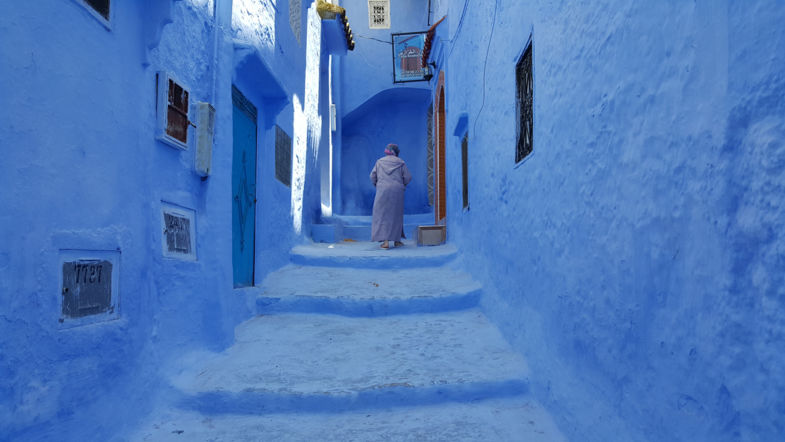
[390,177]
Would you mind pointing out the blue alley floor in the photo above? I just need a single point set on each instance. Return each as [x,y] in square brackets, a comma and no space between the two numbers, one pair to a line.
[356,343]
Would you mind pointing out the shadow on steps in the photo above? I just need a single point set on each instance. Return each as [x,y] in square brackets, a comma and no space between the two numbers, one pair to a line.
[381,397]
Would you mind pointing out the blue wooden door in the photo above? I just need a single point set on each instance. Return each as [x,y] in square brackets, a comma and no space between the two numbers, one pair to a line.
[243,189]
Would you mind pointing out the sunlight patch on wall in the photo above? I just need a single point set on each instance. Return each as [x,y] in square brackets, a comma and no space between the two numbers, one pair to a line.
[307,123]
[299,152]
[313,52]
[327,197]
[253,21]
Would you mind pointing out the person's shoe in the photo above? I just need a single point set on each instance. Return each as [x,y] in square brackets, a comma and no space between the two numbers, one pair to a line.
[398,244]
[385,245]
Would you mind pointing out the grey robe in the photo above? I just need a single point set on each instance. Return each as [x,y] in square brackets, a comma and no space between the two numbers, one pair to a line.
[390,176]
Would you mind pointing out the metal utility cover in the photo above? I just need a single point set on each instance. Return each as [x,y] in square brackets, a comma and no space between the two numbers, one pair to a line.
[87,287]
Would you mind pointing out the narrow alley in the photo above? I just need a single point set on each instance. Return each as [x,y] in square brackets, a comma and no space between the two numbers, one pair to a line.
[201,204]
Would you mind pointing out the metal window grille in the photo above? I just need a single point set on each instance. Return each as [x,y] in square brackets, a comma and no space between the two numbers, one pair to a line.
[465,169]
[100,6]
[283,157]
[178,234]
[379,14]
[525,86]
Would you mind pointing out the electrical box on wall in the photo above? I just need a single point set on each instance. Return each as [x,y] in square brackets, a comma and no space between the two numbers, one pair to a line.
[205,128]
[172,111]
[88,286]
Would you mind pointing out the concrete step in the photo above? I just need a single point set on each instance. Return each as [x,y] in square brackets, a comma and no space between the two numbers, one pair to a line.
[365,292]
[361,254]
[325,363]
[507,419]
[336,228]
[363,232]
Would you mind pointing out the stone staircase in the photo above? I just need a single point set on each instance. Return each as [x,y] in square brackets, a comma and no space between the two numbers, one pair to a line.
[336,228]
[353,342]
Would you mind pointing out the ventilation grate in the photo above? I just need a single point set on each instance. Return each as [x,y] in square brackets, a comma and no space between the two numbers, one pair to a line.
[379,14]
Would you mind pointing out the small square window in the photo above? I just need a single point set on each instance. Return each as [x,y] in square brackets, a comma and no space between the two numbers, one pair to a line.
[172,109]
[525,91]
[379,14]
[283,157]
[178,238]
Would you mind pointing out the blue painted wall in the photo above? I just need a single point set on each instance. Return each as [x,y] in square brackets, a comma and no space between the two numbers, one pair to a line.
[82,169]
[392,116]
[374,111]
[636,256]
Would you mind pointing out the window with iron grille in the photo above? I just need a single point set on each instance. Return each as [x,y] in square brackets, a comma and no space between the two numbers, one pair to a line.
[525,111]
[178,232]
[379,14]
[283,157]
[465,169]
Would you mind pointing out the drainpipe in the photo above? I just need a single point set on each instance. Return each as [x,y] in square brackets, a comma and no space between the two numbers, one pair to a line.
[222,16]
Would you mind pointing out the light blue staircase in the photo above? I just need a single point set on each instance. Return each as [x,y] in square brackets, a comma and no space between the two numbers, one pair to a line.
[358,228]
[353,342]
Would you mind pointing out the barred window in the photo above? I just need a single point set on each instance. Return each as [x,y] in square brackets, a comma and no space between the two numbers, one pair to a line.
[465,169]
[525,111]
[178,233]
[379,14]
[283,157]
[179,236]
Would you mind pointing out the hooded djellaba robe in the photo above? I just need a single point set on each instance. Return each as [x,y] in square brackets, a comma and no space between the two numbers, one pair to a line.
[390,176]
